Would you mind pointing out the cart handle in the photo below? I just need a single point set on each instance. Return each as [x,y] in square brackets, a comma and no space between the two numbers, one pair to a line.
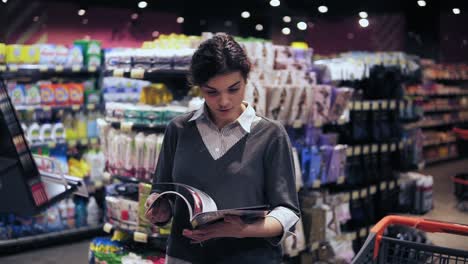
[416,222]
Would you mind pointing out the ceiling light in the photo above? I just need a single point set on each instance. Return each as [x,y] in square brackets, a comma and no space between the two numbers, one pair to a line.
[286,31]
[134,16]
[142,4]
[302,25]
[259,27]
[275,3]
[323,9]
[456,11]
[363,22]
[286,19]
[245,14]
[180,20]
[81,12]
[363,14]
[155,34]
[421,3]
[4,1]
[85,21]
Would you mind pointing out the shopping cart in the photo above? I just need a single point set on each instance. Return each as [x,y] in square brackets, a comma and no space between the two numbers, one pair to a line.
[381,249]
[460,182]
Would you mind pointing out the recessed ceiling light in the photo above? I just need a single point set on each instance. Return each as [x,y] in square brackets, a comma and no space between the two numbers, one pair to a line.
[456,11]
[286,31]
[259,27]
[180,20]
[323,9]
[363,22]
[286,19]
[134,16]
[245,14]
[275,3]
[421,3]
[4,1]
[81,12]
[302,25]
[142,4]
[155,34]
[85,21]
[363,14]
[36,18]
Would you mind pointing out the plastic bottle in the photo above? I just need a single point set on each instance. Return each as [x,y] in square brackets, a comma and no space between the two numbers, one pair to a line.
[63,213]
[58,133]
[81,126]
[33,133]
[94,217]
[70,213]
[70,132]
[92,125]
[80,212]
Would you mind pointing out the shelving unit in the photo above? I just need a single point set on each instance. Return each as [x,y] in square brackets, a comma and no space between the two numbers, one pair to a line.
[34,70]
[129,126]
[139,73]
[159,242]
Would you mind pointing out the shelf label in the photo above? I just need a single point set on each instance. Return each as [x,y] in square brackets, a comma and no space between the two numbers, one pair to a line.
[358,105]
[366,105]
[384,148]
[314,246]
[137,73]
[3,68]
[352,236]
[363,232]
[84,142]
[72,143]
[91,106]
[75,107]
[13,68]
[393,147]
[43,68]
[47,108]
[92,68]
[384,105]
[349,151]
[140,237]
[383,186]
[374,148]
[357,150]
[392,185]
[126,126]
[340,180]
[59,68]
[316,184]
[363,193]
[107,228]
[375,105]
[355,195]
[351,106]
[365,149]
[94,141]
[118,73]
[373,189]
[76,68]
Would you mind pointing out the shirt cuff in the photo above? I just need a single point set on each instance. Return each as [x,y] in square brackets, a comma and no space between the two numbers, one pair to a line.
[287,218]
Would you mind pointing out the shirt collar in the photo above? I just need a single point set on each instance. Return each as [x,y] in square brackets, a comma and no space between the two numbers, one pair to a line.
[245,120]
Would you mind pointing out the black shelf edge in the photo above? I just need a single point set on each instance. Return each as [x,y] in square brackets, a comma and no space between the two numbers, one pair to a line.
[46,239]
[146,74]
[139,127]
[129,179]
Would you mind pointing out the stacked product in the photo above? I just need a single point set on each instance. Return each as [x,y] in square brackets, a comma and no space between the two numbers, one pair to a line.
[142,114]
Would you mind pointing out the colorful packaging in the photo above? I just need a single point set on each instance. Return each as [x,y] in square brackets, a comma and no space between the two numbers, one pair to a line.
[47,54]
[47,94]
[30,54]
[33,94]
[61,94]
[301,105]
[76,93]
[13,54]
[2,53]
[74,57]
[144,191]
[17,94]
[61,55]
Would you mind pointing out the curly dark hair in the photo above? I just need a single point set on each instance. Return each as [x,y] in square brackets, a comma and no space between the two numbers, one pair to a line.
[218,55]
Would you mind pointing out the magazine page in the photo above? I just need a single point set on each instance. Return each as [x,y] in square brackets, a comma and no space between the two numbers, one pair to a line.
[246,213]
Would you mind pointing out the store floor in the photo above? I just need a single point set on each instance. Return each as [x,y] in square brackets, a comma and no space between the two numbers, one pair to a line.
[444,202]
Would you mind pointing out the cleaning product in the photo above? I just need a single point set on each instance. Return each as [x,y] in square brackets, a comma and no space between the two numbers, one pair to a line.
[80,212]
[92,125]
[81,126]
[70,213]
[94,213]
[33,133]
[45,133]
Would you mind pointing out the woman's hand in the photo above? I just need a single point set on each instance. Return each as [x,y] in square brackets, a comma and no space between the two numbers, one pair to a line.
[232,226]
[161,212]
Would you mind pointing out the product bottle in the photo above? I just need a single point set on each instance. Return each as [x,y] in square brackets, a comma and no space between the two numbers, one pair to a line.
[92,125]
[93,212]
[33,133]
[81,126]
[58,133]
[70,213]
[63,213]
[80,213]
[70,132]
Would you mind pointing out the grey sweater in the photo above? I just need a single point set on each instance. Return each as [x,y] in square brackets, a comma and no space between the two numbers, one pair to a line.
[257,170]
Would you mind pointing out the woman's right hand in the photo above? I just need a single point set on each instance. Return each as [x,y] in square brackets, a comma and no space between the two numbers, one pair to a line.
[160,212]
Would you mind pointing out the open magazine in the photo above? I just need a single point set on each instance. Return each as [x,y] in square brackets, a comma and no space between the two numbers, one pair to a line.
[202,208]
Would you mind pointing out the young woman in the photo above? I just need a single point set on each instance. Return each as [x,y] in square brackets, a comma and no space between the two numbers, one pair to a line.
[237,157]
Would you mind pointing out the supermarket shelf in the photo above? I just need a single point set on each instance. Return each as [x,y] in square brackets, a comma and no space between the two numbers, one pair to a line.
[157,241]
[438,94]
[432,161]
[438,142]
[70,143]
[47,108]
[128,126]
[432,125]
[446,109]
[28,70]
[20,244]
[129,179]
[146,74]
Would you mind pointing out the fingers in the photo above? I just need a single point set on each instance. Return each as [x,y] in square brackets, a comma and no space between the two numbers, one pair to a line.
[234,219]
[198,236]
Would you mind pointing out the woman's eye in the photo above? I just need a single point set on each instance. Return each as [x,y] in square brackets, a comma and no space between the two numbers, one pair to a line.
[212,92]
[233,90]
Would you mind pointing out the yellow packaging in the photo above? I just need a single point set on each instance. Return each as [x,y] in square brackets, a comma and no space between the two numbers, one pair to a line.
[13,54]
[30,54]
[2,53]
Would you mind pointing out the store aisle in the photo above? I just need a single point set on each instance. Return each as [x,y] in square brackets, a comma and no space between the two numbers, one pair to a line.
[444,200]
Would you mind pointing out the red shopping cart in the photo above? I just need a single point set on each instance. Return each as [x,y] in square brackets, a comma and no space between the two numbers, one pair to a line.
[381,249]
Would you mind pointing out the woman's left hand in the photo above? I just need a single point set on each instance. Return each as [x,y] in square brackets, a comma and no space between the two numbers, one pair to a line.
[232,226]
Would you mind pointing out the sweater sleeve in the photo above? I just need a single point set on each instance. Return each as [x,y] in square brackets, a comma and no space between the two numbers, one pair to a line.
[165,163]
[280,183]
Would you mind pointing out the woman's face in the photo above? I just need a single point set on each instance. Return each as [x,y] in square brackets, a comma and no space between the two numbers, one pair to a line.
[223,95]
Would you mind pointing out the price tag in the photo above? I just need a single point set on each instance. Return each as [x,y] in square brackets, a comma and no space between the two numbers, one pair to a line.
[43,68]
[363,232]
[94,141]
[314,246]
[59,68]
[349,151]
[401,144]
[355,195]
[345,198]
[366,105]
[392,185]
[318,123]
[107,228]
[393,147]
[126,126]
[92,68]
[358,105]
[140,237]
[3,68]
[52,144]
[340,180]
[91,106]
[13,68]
[118,73]
[84,142]
[316,184]
[383,186]
[76,68]
[401,105]
[384,105]
[384,148]
[363,193]
[75,107]
[297,124]
[365,149]
[399,182]
[47,108]
[375,148]
[375,105]
[352,236]
[373,189]
[72,143]
[137,73]
[351,106]
[357,150]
